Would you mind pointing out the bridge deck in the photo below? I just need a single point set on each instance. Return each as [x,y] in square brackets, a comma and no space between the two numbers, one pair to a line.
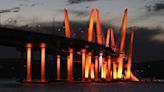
[19,38]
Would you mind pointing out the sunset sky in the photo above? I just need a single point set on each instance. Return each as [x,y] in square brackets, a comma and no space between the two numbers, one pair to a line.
[141,13]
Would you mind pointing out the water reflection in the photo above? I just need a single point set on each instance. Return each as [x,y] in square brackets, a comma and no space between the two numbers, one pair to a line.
[81,87]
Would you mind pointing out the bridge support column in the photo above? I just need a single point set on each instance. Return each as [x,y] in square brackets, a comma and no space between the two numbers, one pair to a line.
[67,25]
[88,66]
[43,46]
[100,61]
[92,71]
[109,69]
[99,29]
[127,76]
[108,37]
[29,77]
[90,29]
[122,43]
[103,70]
[114,70]
[83,64]
[96,68]
[120,66]
[68,68]
[71,63]
[58,67]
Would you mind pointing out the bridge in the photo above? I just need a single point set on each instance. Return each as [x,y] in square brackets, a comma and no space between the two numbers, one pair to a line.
[102,58]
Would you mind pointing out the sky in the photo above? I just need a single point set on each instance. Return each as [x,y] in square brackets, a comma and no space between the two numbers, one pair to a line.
[146,15]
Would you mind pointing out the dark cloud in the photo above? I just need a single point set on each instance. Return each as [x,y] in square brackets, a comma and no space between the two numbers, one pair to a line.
[14,9]
[77,13]
[159,6]
[146,48]
[78,1]
[156,7]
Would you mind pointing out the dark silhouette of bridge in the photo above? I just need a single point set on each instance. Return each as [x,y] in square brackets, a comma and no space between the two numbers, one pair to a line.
[102,58]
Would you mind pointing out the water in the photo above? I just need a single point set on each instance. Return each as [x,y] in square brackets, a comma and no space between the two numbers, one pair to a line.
[12,86]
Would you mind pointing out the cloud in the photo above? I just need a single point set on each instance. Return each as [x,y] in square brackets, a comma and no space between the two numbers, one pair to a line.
[155,8]
[78,1]
[148,42]
[14,9]
[77,13]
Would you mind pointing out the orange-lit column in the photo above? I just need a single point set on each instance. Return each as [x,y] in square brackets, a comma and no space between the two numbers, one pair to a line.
[127,76]
[58,67]
[67,25]
[89,63]
[108,37]
[96,68]
[92,71]
[83,64]
[109,69]
[68,68]
[114,70]
[103,70]
[86,67]
[98,28]
[133,77]
[90,29]
[123,35]
[43,46]
[71,63]
[113,41]
[29,77]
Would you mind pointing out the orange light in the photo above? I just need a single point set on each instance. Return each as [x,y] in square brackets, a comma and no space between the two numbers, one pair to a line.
[67,25]
[123,33]
[108,37]
[68,68]
[133,77]
[114,70]
[130,56]
[90,29]
[86,67]
[71,63]
[83,64]
[109,68]
[43,45]
[29,46]
[103,70]
[58,67]
[43,62]
[96,68]
[92,72]
[113,41]
[120,66]
[98,28]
